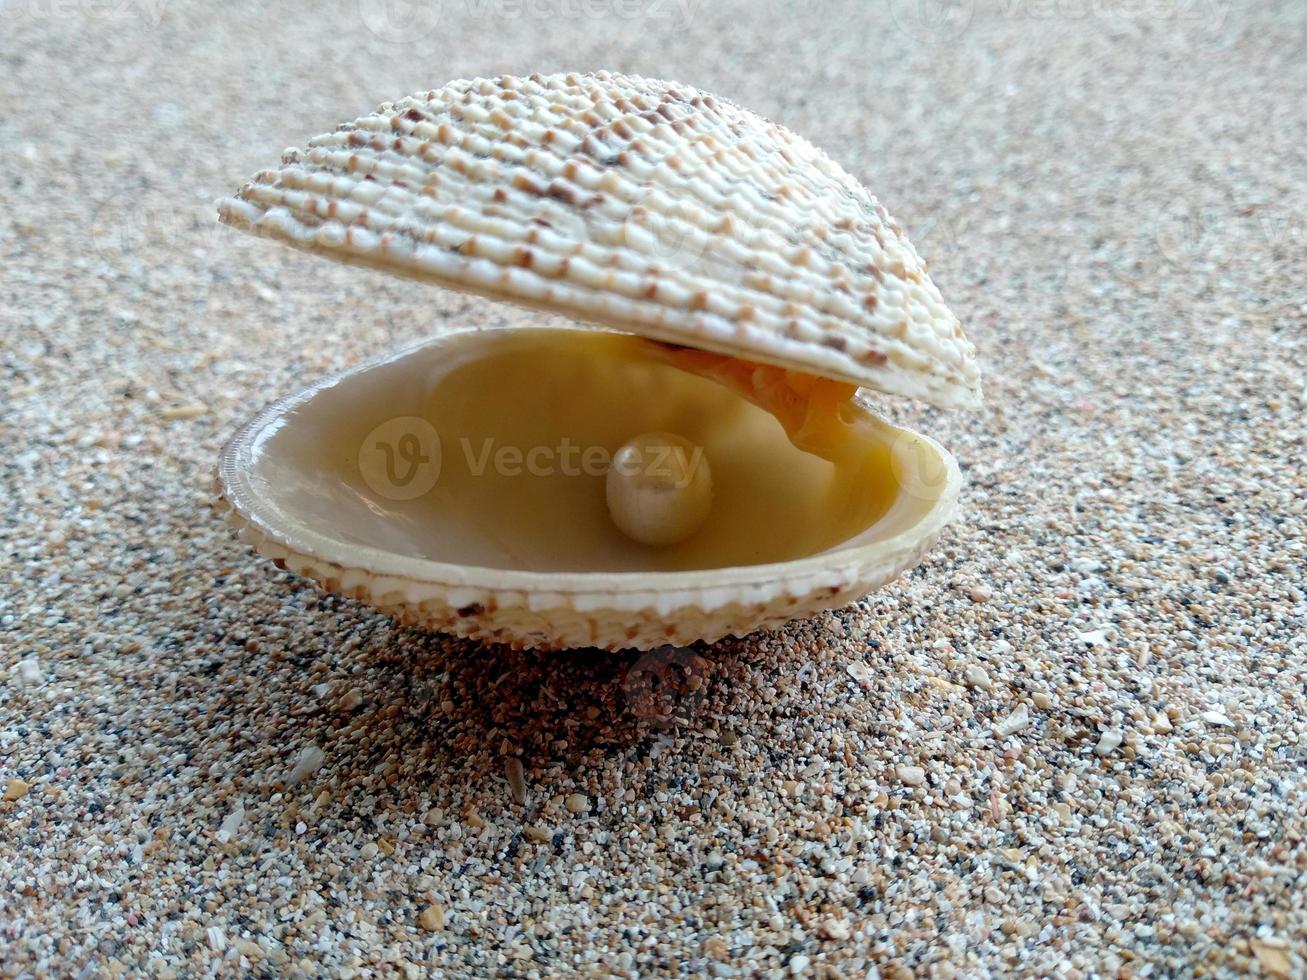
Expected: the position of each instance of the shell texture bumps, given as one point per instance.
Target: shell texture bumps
(643, 205)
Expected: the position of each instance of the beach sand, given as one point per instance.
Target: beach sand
(1071, 742)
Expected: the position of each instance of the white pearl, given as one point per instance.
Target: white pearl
(659, 488)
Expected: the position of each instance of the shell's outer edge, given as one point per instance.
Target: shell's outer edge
(555, 610)
(639, 204)
(563, 620)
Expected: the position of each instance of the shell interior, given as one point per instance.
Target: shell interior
(473, 466)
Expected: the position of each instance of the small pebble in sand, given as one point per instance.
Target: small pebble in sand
(230, 825)
(1109, 742)
(350, 700)
(28, 672)
(1013, 723)
(980, 593)
(180, 413)
(976, 676)
(16, 789)
(859, 671)
(432, 918)
(577, 802)
(309, 761)
(836, 929)
(911, 775)
(1273, 955)
(516, 779)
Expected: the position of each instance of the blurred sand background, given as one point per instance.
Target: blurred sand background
(1071, 743)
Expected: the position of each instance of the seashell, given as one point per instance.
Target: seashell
(643, 205)
(501, 484)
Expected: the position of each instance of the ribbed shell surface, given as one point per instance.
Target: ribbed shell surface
(639, 204)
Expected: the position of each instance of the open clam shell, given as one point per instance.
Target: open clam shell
(755, 285)
(527, 557)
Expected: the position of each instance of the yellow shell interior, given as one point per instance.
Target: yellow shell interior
(489, 449)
